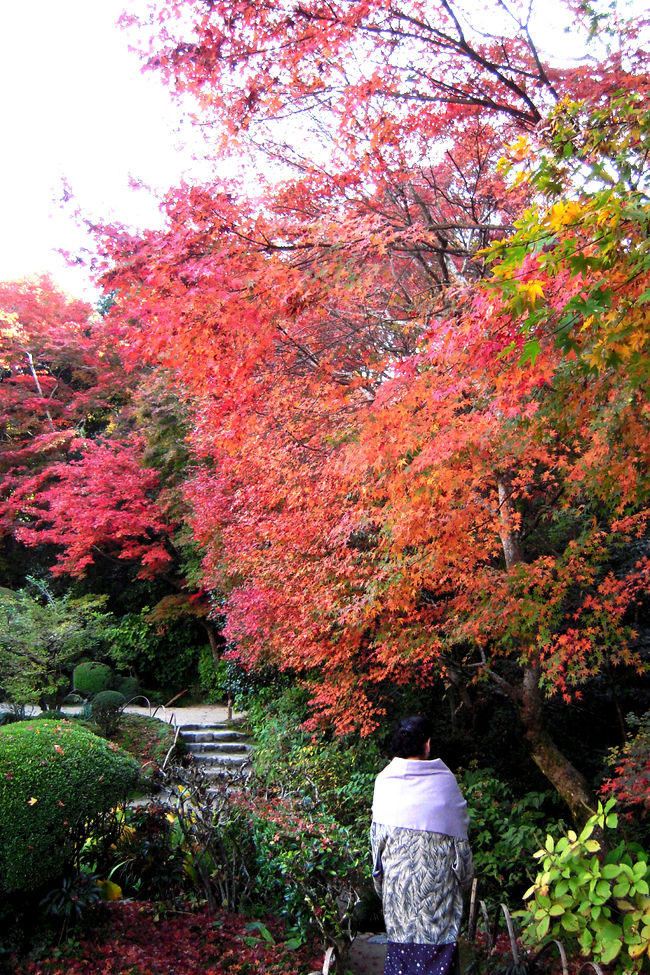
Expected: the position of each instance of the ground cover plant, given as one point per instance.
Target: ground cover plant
(137, 938)
(148, 739)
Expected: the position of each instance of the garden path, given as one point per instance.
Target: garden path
(368, 951)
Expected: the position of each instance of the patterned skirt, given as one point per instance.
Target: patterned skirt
(420, 877)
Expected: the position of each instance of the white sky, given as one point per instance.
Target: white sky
(74, 104)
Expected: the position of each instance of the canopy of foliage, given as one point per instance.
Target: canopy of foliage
(417, 370)
(410, 356)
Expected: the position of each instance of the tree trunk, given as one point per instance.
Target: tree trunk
(215, 639)
(563, 776)
(570, 784)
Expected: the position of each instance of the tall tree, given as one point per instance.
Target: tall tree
(91, 456)
(63, 386)
(403, 472)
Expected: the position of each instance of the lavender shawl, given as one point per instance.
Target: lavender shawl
(419, 794)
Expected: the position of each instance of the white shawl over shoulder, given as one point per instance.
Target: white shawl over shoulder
(423, 795)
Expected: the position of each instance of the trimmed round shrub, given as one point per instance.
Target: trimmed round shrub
(129, 686)
(91, 677)
(106, 701)
(57, 782)
(105, 710)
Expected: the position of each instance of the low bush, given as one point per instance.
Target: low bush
(308, 869)
(106, 711)
(57, 779)
(505, 832)
(129, 687)
(91, 677)
(596, 902)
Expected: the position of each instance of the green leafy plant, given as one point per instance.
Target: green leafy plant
(90, 677)
(308, 868)
(42, 637)
(336, 774)
(214, 677)
(57, 781)
(149, 855)
(629, 781)
(162, 653)
(595, 901)
(106, 710)
(502, 828)
(71, 901)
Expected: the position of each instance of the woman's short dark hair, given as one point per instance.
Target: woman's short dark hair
(410, 737)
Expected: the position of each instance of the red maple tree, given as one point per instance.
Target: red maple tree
(409, 474)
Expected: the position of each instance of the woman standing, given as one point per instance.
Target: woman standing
(422, 862)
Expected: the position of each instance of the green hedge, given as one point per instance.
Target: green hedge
(56, 781)
(91, 677)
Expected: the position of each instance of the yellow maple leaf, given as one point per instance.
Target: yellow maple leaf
(533, 290)
(32, 801)
(562, 214)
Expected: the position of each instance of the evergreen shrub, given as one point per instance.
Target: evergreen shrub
(57, 779)
(129, 687)
(106, 709)
(91, 677)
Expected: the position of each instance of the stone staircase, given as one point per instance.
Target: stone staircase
(218, 749)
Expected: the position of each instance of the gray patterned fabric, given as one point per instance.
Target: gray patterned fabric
(421, 878)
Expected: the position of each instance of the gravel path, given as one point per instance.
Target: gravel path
(203, 714)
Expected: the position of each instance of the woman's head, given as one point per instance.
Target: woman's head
(410, 739)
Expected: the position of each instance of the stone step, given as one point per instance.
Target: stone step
(208, 735)
(205, 749)
(224, 763)
(218, 725)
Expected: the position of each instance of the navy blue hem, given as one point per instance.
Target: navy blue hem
(418, 959)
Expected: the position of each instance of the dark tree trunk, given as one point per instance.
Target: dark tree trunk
(570, 784)
(215, 639)
(563, 776)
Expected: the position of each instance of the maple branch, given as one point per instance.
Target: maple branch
(462, 45)
(38, 388)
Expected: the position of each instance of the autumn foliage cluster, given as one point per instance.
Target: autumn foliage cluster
(412, 352)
